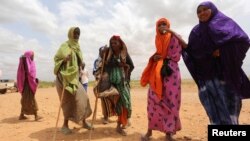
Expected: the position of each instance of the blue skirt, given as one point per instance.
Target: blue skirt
(222, 104)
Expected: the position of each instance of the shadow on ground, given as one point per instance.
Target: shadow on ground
(80, 134)
(15, 120)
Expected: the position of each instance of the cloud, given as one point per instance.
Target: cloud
(12, 48)
(133, 20)
(31, 12)
(70, 11)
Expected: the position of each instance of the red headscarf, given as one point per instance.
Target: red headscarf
(123, 49)
(152, 73)
(31, 72)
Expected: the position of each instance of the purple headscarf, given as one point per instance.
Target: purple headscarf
(221, 28)
(223, 33)
(30, 72)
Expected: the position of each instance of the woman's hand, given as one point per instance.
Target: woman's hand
(216, 53)
(124, 65)
(67, 58)
(157, 57)
(182, 42)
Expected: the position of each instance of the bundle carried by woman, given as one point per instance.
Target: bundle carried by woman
(103, 87)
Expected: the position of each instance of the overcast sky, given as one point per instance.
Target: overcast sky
(42, 25)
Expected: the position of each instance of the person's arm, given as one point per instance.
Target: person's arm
(60, 62)
(216, 53)
(174, 53)
(130, 63)
(182, 42)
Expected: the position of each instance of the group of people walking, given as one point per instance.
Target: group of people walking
(213, 55)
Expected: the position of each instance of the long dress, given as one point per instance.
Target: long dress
(27, 83)
(123, 105)
(221, 81)
(75, 103)
(163, 115)
(28, 101)
(75, 107)
(117, 78)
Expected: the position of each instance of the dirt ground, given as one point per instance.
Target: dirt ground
(193, 118)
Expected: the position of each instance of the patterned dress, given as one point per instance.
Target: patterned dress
(117, 78)
(163, 114)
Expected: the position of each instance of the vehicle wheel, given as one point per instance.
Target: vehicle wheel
(3, 91)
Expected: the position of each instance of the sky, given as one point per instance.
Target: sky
(42, 26)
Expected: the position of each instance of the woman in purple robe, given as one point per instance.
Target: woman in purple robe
(214, 56)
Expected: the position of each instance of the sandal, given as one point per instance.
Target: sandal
(66, 130)
(121, 131)
(86, 125)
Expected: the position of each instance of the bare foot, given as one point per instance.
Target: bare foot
(169, 137)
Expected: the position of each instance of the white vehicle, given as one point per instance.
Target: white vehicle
(7, 85)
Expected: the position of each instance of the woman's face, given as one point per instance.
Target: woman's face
(162, 27)
(115, 45)
(204, 13)
(76, 33)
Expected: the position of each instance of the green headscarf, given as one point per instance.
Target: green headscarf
(70, 71)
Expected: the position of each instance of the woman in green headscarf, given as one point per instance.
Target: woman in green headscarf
(75, 102)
